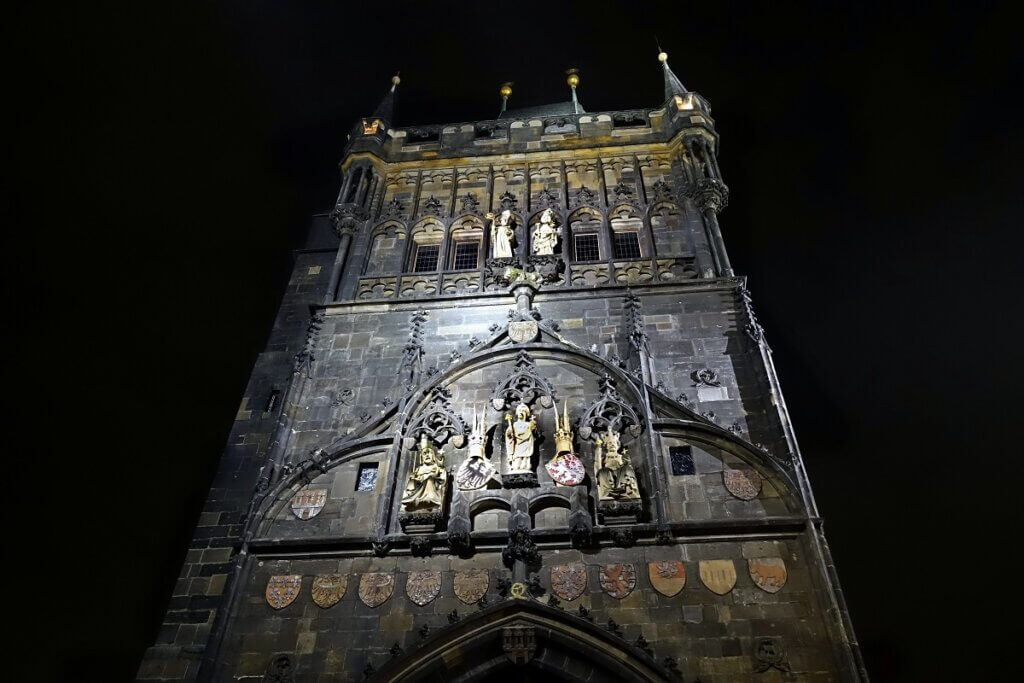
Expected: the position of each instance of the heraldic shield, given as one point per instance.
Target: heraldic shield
(769, 573)
(375, 588)
(423, 585)
(566, 469)
(718, 575)
(282, 590)
(471, 585)
(329, 589)
(617, 580)
(668, 578)
(568, 581)
(307, 503)
(744, 484)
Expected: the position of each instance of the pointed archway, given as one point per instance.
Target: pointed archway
(523, 640)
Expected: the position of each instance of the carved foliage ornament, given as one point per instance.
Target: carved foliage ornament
(438, 421)
(523, 384)
(375, 588)
(471, 585)
(617, 580)
(745, 484)
(307, 503)
(283, 589)
(423, 586)
(568, 581)
(329, 589)
(668, 578)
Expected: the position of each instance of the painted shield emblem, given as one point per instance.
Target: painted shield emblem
(522, 331)
(744, 484)
(375, 588)
(282, 590)
(328, 589)
(474, 474)
(617, 580)
(423, 586)
(718, 575)
(769, 573)
(566, 469)
(568, 581)
(307, 503)
(471, 585)
(668, 578)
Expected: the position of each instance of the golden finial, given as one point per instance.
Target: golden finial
(506, 89)
(663, 57)
(395, 80)
(572, 77)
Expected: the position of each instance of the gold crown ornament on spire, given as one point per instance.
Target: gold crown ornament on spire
(563, 433)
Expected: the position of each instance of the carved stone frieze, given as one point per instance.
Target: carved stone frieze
(460, 283)
(589, 275)
(418, 285)
(523, 384)
(633, 272)
(610, 411)
(438, 421)
(377, 287)
(679, 268)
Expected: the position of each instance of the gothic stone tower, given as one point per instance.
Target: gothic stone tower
(516, 421)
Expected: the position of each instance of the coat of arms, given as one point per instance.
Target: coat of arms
(375, 588)
(423, 585)
(568, 581)
(566, 469)
(307, 503)
(328, 590)
(744, 484)
(668, 578)
(282, 590)
(617, 580)
(474, 473)
(718, 575)
(769, 573)
(471, 585)
(522, 331)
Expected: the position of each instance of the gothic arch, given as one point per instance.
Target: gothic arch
(566, 647)
(386, 248)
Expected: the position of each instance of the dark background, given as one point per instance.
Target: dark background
(166, 158)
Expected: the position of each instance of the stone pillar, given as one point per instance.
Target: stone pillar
(339, 265)
(712, 196)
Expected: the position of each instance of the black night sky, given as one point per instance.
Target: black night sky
(167, 158)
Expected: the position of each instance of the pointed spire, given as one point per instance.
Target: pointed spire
(386, 109)
(673, 86)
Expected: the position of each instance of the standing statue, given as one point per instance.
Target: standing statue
(545, 235)
(503, 235)
(519, 439)
(427, 480)
(616, 478)
(565, 468)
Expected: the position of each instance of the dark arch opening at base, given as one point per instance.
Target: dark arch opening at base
(523, 640)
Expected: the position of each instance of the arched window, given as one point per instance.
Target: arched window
(627, 228)
(425, 251)
(585, 231)
(466, 241)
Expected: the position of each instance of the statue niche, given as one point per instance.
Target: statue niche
(424, 497)
(520, 442)
(544, 243)
(618, 494)
(503, 239)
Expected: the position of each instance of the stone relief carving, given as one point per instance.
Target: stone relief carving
(523, 385)
(565, 468)
(477, 470)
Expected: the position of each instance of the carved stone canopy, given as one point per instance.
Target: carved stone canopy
(610, 411)
(438, 421)
(523, 384)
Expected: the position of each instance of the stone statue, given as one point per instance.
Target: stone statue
(428, 479)
(519, 440)
(616, 478)
(545, 235)
(477, 470)
(565, 468)
(503, 235)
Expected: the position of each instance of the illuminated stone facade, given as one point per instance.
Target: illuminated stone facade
(517, 418)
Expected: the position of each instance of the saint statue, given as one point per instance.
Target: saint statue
(545, 235)
(428, 479)
(503, 235)
(616, 478)
(519, 438)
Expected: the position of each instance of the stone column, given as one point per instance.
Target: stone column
(711, 197)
